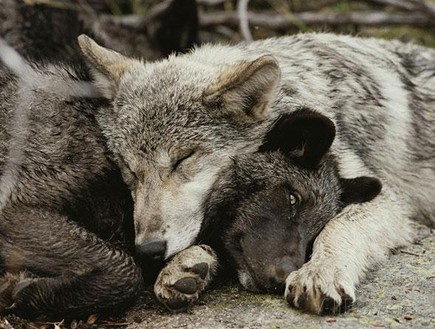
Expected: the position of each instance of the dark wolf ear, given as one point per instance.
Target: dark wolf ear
(245, 89)
(174, 28)
(304, 135)
(360, 189)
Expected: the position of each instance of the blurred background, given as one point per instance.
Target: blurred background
(151, 29)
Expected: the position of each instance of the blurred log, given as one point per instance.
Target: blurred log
(411, 5)
(275, 21)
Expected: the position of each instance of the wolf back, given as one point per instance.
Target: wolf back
(61, 196)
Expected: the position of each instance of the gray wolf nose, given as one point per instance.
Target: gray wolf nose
(155, 250)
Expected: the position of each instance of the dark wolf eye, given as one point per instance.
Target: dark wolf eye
(181, 159)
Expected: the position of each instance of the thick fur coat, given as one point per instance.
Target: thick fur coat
(176, 123)
(173, 126)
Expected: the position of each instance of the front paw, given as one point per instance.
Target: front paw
(187, 275)
(319, 289)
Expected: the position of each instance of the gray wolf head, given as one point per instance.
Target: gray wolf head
(173, 126)
(271, 205)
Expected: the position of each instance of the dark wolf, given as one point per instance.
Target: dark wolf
(266, 210)
(177, 123)
(65, 210)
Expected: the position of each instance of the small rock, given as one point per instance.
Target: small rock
(378, 324)
(331, 320)
(408, 316)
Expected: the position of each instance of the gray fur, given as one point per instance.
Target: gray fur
(66, 211)
(66, 227)
(176, 123)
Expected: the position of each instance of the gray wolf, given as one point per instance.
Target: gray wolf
(66, 216)
(177, 122)
(64, 207)
(265, 211)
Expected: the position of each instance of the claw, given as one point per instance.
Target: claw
(11, 308)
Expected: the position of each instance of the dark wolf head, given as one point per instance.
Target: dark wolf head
(271, 205)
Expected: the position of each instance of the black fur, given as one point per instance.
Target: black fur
(265, 212)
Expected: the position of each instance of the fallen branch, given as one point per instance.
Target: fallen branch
(411, 5)
(210, 2)
(242, 11)
(276, 21)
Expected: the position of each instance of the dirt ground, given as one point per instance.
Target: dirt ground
(400, 293)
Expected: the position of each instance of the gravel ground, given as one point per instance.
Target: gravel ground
(400, 293)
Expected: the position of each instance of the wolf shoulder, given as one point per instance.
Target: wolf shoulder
(54, 139)
(379, 94)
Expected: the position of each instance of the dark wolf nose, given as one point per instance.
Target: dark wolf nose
(283, 268)
(279, 272)
(153, 250)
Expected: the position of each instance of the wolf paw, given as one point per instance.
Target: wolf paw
(319, 290)
(183, 279)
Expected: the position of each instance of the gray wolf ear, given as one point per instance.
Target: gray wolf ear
(107, 65)
(304, 136)
(360, 189)
(245, 89)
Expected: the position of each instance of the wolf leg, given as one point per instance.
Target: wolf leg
(185, 277)
(73, 273)
(353, 241)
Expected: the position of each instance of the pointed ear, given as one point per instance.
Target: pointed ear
(107, 65)
(360, 189)
(304, 136)
(245, 89)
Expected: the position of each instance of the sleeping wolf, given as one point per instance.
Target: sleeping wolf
(69, 217)
(176, 123)
(66, 216)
